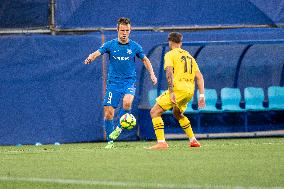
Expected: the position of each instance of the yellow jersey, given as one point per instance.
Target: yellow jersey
(184, 66)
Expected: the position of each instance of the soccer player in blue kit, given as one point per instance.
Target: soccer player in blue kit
(121, 75)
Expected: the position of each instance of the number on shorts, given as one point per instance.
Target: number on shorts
(109, 98)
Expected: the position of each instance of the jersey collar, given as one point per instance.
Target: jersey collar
(122, 43)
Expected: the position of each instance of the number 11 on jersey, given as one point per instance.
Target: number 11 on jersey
(187, 60)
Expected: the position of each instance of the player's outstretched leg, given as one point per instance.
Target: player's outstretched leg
(115, 134)
(185, 125)
(158, 124)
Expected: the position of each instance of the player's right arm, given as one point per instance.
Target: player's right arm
(92, 57)
(103, 49)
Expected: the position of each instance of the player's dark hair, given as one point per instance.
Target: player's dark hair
(123, 21)
(175, 37)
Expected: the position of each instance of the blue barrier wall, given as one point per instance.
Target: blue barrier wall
(166, 13)
(24, 13)
(47, 94)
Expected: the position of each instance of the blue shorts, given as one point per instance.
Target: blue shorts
(116, 90)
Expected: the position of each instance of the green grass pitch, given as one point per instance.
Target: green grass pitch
(219, 164)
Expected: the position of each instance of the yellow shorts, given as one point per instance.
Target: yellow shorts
(182, 99)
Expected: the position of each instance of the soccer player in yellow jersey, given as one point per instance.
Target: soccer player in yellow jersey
(181, 72)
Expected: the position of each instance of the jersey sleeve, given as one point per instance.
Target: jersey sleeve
(105, 47)
(140, 53)
(195, 66)
(168, 60)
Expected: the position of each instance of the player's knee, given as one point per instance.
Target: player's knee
(127, 105)
(109, 115)
(154, 112)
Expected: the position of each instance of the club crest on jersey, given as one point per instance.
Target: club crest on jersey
(129, 51)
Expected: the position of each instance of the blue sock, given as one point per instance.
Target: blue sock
(122, 112)
(109, 128)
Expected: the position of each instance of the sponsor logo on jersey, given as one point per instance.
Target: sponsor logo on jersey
(121, 58)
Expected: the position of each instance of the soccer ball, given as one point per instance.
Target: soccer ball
(127, 121)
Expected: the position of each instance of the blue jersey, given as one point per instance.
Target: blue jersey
(122, 59)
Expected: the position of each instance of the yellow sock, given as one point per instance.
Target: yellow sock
(158, 124)
(185, 125)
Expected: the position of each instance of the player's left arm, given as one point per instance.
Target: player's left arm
(170, 80)
(200, 85)
(149, 67)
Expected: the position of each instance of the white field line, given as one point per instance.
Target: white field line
(127, 184)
